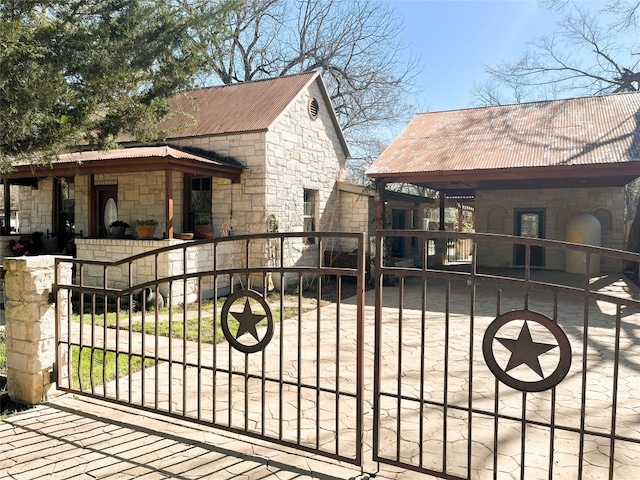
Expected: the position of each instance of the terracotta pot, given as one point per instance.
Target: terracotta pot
(184, 236)
(146, 232)
(203, 231)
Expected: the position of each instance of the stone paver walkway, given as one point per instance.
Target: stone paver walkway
(73, 438)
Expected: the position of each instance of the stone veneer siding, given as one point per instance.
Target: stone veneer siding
(36, 211)
(294, 154)
(31, 326)
(199, 258)
(556, 203)
(356, 213)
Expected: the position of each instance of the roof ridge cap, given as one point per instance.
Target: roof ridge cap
(534, 102)
(258, 80)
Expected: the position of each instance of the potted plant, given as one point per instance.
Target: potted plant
(146, 228)
(118, 228)
(204, 226)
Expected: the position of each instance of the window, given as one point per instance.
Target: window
(309, 213)
(199, 198)
(64, 204)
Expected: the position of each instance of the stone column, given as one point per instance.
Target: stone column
(31, 325)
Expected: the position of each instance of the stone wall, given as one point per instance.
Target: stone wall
(296, 153)
(242, 204)
(197, 258)
(36, 211)
(495, 213)
(356, 213)
(142, 196)
(30, 324)
(303, 153)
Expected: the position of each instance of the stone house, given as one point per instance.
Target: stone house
(532, 168)
(248, 157)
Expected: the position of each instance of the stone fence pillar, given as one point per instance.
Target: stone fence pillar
(31, 325)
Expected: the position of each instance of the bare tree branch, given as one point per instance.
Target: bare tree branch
(356, 45)
(589, 53)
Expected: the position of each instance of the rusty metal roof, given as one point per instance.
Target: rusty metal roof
(152, 158)
(139, 152)
(581, 131)
(240, 107)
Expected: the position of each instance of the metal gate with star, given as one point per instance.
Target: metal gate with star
(476, 372)
(506, 373)
(285, 368)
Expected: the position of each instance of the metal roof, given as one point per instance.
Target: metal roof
(140, 152)
(240, 107)
(559, 133)
(147, 159)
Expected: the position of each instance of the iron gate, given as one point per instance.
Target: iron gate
(270, 370)
(477, 372)
(506, 373)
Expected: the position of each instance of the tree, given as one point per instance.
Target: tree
(356, 45)
(593, 51)
(84, 71)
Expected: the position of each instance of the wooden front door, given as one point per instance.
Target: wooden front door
(107, 208)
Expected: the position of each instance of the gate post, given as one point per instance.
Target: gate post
(31, 325)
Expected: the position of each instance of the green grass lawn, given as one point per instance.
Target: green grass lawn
(206, 328)
(102, 362)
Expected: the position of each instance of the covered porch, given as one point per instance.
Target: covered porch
(78, 195)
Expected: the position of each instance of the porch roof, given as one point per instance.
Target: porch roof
(580, 142)
(133, 160)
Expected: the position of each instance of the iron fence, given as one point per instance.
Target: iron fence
(210, 343)
(3, 332)
(489, 372)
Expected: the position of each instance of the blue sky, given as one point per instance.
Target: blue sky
(457, 38)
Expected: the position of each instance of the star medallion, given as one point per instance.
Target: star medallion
(247, 321)
(524, 351)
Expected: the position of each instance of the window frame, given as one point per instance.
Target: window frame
(191, 214)
(61, 212)
(310, 213)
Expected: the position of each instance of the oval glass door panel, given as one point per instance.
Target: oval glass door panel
(110, 212)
